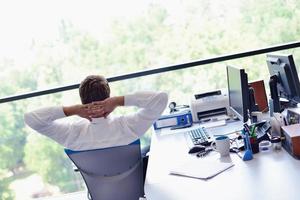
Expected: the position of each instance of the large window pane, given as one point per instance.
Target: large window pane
(27, 158)
(60, 42)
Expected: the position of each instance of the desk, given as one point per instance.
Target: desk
(269, 176)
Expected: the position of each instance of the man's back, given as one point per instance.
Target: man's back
(100, 132)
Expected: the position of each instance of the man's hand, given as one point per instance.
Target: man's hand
(96, 109)
(106, 106)
(84, 111)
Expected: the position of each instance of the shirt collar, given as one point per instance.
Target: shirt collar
(99, 120)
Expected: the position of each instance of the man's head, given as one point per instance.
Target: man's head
(94, 88)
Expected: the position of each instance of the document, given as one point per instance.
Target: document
(201, 169)
(214, 124)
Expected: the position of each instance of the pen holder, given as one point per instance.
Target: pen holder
(254, 144)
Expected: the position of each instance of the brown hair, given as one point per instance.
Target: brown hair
(93, 88)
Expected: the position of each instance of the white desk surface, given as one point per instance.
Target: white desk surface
(270, 175)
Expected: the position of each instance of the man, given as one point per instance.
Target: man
(97, 128)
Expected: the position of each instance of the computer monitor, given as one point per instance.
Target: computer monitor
(238, 92)
(283, 67)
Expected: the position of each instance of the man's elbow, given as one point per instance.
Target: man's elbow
(28, 119)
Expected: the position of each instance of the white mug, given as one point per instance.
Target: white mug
(221, 145)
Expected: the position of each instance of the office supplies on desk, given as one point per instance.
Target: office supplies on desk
(260, 95)
(228, 129)
(196, 149)
(202, 154)
(214, 123)
(252, 138)
(236, 142)
(181, 126)
(262, 130)
(291, 141)
(255, 179)
(248, 151)
(221, 145)
(254, 144)
(201, 169)
(265, 146)
(236, 151)
(198, 136)
(174, 120)
(209, 105)
(276, 143)
(252, 134)
(276, 122)
(293, 116)
(175, 108)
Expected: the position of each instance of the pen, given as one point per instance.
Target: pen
(252, 134)
(247, 129)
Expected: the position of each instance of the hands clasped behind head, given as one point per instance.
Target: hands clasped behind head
(94, 110)
(101, 108)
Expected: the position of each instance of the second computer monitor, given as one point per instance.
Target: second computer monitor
(238, 92)
(283, 66)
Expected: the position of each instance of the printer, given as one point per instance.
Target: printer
(209, 105)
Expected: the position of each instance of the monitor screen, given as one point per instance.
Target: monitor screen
(238, 92)
(283, 66)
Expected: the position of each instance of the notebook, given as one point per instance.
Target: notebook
(201, 169)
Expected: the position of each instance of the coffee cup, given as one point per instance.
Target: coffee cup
(221, 145)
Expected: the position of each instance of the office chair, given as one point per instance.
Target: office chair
(114, 173)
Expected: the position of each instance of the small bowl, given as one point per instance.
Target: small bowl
(265, 146)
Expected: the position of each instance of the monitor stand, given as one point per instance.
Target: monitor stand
(277, 104)
(274, 101)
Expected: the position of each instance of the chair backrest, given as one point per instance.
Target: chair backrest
(111, 173)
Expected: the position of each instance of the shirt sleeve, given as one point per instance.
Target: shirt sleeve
(46, 121)
(151, 105)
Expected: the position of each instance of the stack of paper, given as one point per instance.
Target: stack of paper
(201, 169)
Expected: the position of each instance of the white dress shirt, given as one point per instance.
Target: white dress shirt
(81, 134)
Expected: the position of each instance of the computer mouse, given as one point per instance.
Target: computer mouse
(196, 149)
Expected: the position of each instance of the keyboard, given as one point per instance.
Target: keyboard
(200, 136)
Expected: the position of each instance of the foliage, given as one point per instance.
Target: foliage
(48, 159)
(5, 193)
(12, 125)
